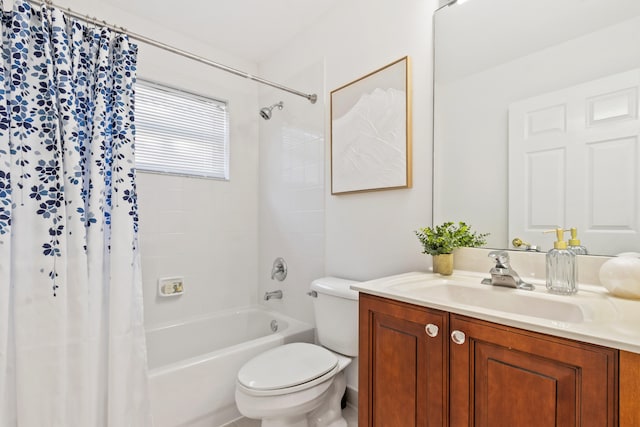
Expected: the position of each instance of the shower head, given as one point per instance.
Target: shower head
(265, 112)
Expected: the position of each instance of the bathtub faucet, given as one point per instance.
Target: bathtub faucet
(273, 294)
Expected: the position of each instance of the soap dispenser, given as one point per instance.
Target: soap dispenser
(561, 267)
(574, 243)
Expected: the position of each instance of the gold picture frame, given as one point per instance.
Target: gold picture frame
(371, 131)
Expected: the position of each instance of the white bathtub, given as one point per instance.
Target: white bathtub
(193, 365)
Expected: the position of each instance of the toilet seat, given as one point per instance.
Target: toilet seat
(286, 369)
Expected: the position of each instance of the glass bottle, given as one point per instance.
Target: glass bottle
(561, 267)
(574, 243)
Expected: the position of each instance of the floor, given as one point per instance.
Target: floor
(349, 413)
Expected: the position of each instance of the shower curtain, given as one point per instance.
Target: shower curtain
(72, 350)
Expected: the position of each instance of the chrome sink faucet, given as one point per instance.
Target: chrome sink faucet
(503, 275)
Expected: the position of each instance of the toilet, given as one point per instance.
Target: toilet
(302, 384)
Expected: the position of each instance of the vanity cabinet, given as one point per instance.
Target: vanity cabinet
(476, 373)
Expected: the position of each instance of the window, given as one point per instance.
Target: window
(181, 133)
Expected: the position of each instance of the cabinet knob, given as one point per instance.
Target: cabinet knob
(432, 330)
(458, 337)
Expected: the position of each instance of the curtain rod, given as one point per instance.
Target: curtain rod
(86, 18)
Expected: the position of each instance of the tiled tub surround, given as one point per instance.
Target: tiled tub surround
(193, 364)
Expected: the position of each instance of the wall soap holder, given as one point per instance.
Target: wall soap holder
(170, 286)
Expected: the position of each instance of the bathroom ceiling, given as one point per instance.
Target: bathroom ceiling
(251, 29)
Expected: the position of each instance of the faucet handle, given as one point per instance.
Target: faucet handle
(279, 269)
(501, 258)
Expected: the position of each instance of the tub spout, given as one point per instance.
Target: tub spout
(273, 294)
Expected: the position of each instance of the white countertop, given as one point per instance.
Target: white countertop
(592, 315)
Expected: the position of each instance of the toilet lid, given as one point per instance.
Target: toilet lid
(287, 366)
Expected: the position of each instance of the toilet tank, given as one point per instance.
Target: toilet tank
(336, 314)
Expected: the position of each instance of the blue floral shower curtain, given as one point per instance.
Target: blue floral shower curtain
(72, 349)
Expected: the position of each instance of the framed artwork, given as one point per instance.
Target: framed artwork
(371, 131)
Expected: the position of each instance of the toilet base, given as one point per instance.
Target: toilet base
(328, 413)
(297, 421)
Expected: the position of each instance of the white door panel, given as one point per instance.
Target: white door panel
(573, 157)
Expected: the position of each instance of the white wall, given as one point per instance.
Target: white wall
(365, 235)
(204, 230)
(371, 234)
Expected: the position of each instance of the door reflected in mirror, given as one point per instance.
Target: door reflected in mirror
(536, 120)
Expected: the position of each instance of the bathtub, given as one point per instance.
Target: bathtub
(193, 365)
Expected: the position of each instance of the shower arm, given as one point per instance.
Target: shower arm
(146, 40)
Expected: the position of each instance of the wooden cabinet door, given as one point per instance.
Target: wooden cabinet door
(507, 377)
(629, 389)
(402, 367)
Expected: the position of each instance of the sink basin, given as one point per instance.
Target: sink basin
(468, 292)
(505, 300)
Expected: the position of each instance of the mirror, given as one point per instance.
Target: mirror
(536, 120)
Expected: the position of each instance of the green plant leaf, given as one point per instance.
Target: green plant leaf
(444, 238)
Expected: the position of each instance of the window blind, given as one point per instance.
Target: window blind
(180, 133)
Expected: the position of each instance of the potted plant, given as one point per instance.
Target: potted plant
(441, 240)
